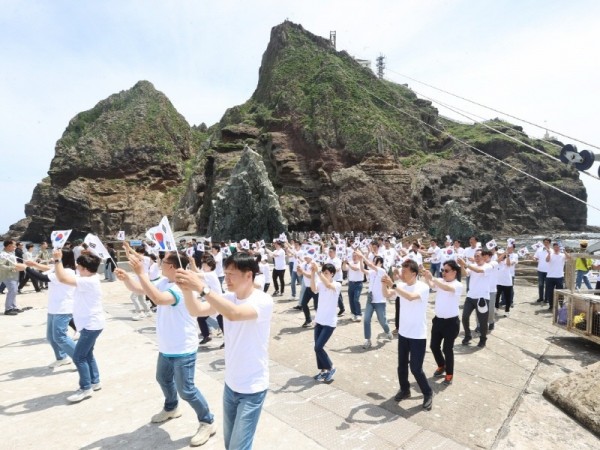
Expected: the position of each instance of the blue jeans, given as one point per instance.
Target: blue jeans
(582, 275)
(11, 294)
(354, 291)
(84, 360)
(380, 311)
(322, 335)
(412, 351)
(240, 417)
(435, 269)
(175, 374)
(56, 333)
(294, 279)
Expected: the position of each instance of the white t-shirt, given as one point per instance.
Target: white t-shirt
(415, 256)
(212, 281)
(355, 275)
(389, 257)
(479, 283)
(266, 271)
(219, 264)
(446, 302)
(307, 274)
(413, 314)
(375, 286)
(297, 258)
(154, 271)
(176, 330)
(87, 303)
(448, 254)
(469, 254)
(279, 259)
(556, 266)
(337, 263)
(60, 295)
(493, 275)
(504, 275)
(540, 255)
(435, 254)
(247, 345)
(328, 298)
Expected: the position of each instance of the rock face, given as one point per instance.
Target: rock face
(578, 394)
(247, 206)
(342, 149)
(118, 166)
(347, 151)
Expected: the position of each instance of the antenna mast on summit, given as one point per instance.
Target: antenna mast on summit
(380, 66)
(332, 39)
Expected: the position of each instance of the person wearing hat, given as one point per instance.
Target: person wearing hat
(583, 266)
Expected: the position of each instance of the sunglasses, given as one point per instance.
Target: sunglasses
(447, 270)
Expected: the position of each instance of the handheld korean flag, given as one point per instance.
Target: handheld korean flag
(522, 252)
(316, 238)
(97, 247)
(448, 239)
(490, 245)
(510, 242)
(165, 239)
(207, 239)
(121, 235)
(537, 245)
(282, 238)
(261, 243)
(59, 237)
(245, 244)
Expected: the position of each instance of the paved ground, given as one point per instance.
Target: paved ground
(495, 401)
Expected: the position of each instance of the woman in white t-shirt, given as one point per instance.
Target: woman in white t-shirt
(376, 302)
(446, 324)
(88, 314)
(265, 270)
(326, 319)
(60, 307)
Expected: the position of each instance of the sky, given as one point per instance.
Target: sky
(536, 60)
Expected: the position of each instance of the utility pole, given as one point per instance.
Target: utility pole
(332, 39)
(380, 66)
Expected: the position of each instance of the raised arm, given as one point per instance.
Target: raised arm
(61, 274)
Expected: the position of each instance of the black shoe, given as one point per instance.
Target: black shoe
(17, 310)
(307, 324)
(222, 345)
(440, 371)
(466, 340)
(205, 340)
(539, 300)
(478, 329)
(481, 344)
(401, 395)
(490, 327)
(11, 312)
(341, 313)
(428, 402)
(297, 307)
(26, 308)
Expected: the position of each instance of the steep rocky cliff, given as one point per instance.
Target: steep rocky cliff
(118, 166)
(348, 151)
(342, 149)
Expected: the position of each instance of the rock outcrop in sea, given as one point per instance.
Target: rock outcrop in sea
(342, 149)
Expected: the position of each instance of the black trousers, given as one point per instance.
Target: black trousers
(445, 330)
(277, 279)
(411, 352)
(507, 293)
(469, 307)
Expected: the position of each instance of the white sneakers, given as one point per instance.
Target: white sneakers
(60, 362)
(79, 395)
(205, 431)
(356, 318)
(367, 344)
(390, 336)
(164, 415)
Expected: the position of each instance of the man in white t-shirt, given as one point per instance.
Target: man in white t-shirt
(412, 330)
(556, 272)
(247, 313)
(435, 258)
(215, 250)
(177, 342)
(542, 267)
(478, 296)
(278, 255)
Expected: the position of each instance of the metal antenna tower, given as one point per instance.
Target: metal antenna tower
(332, 39)
(380, 65)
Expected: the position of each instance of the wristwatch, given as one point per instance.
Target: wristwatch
(57, 261)
(205, 291)
(394, 286)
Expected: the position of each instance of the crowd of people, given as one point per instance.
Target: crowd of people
(227, 287)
